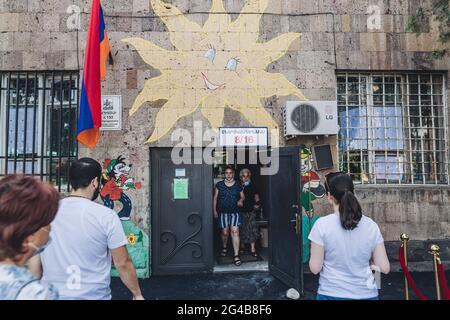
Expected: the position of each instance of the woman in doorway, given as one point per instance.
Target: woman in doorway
(346, 246)
(249, 229)
(27, 207)
(228, 198)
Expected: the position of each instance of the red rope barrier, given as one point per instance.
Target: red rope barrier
(443, 281)
(411, 282)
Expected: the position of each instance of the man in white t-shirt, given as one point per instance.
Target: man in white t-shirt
(85, 236)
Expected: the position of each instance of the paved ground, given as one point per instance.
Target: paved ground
(253, 286)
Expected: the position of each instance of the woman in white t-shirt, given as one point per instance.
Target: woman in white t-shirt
(346, 246)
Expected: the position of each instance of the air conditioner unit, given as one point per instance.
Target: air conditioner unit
(310, 118)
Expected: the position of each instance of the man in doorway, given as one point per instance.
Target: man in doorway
(228, 199)
(249, 230)
(86, 235)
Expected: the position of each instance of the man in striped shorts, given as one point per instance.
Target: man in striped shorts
(228, 198)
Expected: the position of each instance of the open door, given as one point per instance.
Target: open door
(285, 239)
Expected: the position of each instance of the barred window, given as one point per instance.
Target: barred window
(38, 114)
(393, 128)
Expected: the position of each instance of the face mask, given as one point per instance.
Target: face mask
(246, 183)
(41, 249)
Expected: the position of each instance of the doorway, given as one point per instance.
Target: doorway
(184, 235)
(239, 159)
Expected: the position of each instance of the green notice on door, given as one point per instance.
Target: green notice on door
(180, 189)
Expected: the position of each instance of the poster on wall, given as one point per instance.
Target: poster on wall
(111, 113)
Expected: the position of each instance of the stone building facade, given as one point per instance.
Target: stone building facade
(339, 38)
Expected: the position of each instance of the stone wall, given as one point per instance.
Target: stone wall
(421, 212)
(35, 35)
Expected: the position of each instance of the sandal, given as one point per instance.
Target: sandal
(223, 252)
(255, 254)
(237, 261)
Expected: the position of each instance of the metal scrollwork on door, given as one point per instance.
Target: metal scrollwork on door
(197, 251)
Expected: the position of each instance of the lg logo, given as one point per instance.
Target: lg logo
(329, 112)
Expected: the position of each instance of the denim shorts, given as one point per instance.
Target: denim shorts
(322, 297)
(227, 220)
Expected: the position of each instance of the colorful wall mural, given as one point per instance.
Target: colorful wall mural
(311, 191)
(116, 181)
(217, 65)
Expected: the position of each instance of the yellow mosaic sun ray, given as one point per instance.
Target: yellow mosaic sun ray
(213, 66)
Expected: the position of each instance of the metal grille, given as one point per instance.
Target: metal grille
(305, 118)
(394, 127)
(38, 116)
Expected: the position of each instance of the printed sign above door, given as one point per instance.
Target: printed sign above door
(243, 137)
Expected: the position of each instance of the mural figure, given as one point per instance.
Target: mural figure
(217, 65)
(138, 249)
(115, 181)
(312, 190)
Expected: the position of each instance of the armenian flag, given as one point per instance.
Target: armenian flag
(97, 53)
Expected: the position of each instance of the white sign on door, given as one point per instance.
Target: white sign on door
(111, 113)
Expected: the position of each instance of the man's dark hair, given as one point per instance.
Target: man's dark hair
(229, 167)
(83, 171)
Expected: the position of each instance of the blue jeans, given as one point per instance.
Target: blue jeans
(322, 297)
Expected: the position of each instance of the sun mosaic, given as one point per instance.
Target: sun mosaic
(217, 65)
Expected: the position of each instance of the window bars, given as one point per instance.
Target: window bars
(38, 116)
(394, 127)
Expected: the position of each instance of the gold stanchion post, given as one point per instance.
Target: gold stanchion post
(405, 238)
(435, 251)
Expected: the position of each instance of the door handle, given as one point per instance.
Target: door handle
(297, 223)
(297, 219)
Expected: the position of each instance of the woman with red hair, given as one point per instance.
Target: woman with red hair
(27, 207)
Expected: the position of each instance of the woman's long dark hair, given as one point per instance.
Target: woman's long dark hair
(342, 189)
